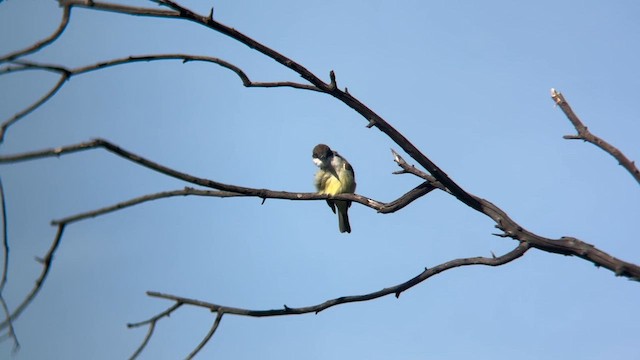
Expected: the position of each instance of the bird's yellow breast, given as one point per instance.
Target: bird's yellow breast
(328, 183)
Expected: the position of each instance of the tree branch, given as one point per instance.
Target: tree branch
(68, 73)
(229, 190)
(11, 332)
(207, 337)
(152, 325)
(519, 251)
(66, 12)
(586, 135)
(19, 115)
(396, 290)
(565, 245)
(46, 266)
(372, 118)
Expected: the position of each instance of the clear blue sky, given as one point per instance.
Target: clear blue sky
(468, 82)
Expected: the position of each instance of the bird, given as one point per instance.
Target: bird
(334, 176)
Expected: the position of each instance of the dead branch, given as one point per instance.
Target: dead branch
(372, 118)
(436, 177)
(11, 333)
(396, 290)
(66, 12)
(67, 73)
(586, 135)
(152, 325)
(46, 262)
(207, 337)
(227, 189)
(565, 245)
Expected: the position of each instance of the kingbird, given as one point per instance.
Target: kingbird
(334, 177)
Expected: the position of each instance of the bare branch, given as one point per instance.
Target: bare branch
(35, 105)
(565, 245)
(67, 73)
(141, 199)
(5, 240)
(207, 337)
(586, 135)
(11, 333)
(46, 266)
(145, 341)
(226, 188)
(44, 42)
(395, 290)
(130, 10)
(152, 325)
(23, 65)
(372, 118)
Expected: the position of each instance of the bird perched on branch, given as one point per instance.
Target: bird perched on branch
(334, 177)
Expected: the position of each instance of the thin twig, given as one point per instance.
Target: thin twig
(68, 73)
(66, 12)
(5, 271)
(19, 115)
(145, 341)
(207, 337)
(372, 118)
(586, 135)
(565, 245)
(5, 239)
(23, 65)
(396, 290)
(152, 325)
(245, 191)
(46, 267)
(141, 199)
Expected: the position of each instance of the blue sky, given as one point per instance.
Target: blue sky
(467, 82)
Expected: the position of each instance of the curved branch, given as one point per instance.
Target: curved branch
(23, 65)
(35, 105)
(207, 337)
(11, 333)
(396, 290)
(141, 199)
(233, 189)
(46, 266)
(373, 118)
(67, 73)
(5, 240)
(516, 253)
(586, 135)
(565, 245)
(152, 325)
(44, 42)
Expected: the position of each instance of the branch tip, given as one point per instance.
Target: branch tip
(333, 85)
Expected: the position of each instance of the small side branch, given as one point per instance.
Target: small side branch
(46, 267)
(226, 189)
(19, 115)
(11, 333)
(586, 135)
(220, 310)
(66, 12)
(565, 245)
(207, 337)
(68, 73)
(396, 290)
(152, 325)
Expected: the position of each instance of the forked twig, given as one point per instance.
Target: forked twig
(586, 135)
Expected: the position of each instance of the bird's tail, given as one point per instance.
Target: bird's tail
(343, 217)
